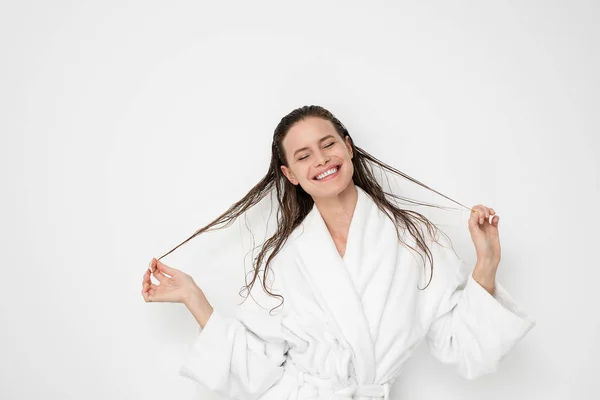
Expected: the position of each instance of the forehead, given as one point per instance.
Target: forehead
(306, 132)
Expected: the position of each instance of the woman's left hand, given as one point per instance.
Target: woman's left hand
(485, 235)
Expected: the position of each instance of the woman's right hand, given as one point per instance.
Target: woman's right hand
(174, 285)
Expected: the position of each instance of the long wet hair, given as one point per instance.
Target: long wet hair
(295, 203)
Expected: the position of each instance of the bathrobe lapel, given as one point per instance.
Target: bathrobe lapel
(327, 273)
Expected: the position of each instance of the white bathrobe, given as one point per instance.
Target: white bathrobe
(348, 324)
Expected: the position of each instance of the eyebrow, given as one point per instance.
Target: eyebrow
(306, 148)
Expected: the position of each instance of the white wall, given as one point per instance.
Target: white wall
(127, 126)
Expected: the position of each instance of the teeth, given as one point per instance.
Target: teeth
(327, 173)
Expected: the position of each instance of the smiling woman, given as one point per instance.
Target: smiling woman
(343, 256)
(320, 158)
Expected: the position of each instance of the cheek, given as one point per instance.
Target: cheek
(349, 168)
(303, 175)
(299, 174)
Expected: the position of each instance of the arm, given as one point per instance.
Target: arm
(473, 329)
(199, 306)
(485, 276)
(238, 358)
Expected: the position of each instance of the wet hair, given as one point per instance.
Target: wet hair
(295, 204)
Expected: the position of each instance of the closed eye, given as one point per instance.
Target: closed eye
(325, 147)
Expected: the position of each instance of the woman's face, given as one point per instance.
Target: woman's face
(319, 159)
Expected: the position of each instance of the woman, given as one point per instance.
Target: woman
(342, 266)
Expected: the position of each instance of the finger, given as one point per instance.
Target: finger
(146, 276)
(474, 214)
(146, 295)
(149, 296)
(152, 265)
(487, 212)
(149, 287)
(146, 280)
(479, 213)
(474, 220)
(149, 292)
(495, 220)
(159, 275)
(484, 213)
(165, 268)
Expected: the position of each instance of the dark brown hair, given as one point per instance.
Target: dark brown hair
(295, 203)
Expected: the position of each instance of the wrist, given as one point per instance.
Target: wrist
(192, 295)
(486, 279)
(199, 306)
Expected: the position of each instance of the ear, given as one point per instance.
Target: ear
(288, 174)
(349, 146)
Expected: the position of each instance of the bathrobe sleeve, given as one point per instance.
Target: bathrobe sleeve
(238, 357)
(472, 329)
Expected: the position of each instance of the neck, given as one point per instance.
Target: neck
(337, 211)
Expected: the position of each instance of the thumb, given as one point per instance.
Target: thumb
(162, 267)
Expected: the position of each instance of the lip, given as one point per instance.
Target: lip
(339, 167)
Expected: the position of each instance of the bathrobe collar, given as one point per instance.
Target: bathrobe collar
(327, 273)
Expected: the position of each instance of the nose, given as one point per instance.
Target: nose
(323, 159)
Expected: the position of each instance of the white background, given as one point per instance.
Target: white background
(126, 126)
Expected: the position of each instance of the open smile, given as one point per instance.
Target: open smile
(329, 174)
